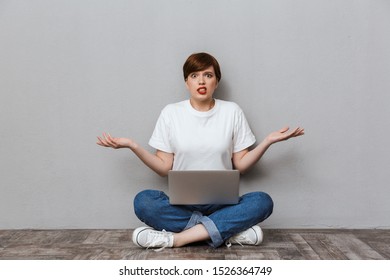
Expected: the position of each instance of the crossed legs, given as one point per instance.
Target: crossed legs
(212, 223)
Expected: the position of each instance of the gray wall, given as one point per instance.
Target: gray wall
(70, 70)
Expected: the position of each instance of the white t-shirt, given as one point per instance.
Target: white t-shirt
(202, 140)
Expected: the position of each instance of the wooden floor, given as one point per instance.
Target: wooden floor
(286, 244)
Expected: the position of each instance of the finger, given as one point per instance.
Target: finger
(299, 132)
(111, 141)
(284, 129)
(292, 133)
(102, 142)
(107, 138)
(107, 141)
(99, 142)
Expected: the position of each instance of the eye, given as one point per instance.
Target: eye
(193, 75)
(209, 75)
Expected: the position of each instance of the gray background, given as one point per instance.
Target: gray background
(70, 70)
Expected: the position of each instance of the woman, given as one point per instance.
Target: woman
(199, 134)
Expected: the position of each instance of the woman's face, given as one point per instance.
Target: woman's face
(202, 84)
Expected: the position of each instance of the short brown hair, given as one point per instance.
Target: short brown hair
(199, 62)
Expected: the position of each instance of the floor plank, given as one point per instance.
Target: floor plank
(303, 247)
(278, 244)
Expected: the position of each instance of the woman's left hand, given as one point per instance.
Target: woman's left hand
(284, 134)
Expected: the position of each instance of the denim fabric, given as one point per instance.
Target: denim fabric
(221, 221)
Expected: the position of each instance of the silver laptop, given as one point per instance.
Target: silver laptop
(203, 187)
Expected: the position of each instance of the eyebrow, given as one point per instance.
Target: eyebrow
(207, 72)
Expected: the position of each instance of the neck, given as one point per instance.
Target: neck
(203, 106)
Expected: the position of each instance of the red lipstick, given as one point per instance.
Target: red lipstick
(202, 90)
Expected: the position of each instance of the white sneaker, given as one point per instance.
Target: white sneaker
(148, 237)
(251, 236)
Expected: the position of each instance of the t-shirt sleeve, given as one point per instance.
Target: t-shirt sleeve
(161, 134)
(243, 137)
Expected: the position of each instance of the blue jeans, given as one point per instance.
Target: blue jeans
(221, 221)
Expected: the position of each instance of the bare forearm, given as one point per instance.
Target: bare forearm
(245, 159)
(160, 162)
(243, 162)
(160, 165)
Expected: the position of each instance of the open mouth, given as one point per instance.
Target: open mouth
(202, 90)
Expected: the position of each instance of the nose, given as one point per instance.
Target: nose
(201, 80)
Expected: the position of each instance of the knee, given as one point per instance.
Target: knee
(144, 202)
(267, 203)
(263, 204)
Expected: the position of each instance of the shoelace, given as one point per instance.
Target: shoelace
(239, 239)
(157, 239)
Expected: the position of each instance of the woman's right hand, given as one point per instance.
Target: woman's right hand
(114, 142)
(161, 162)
